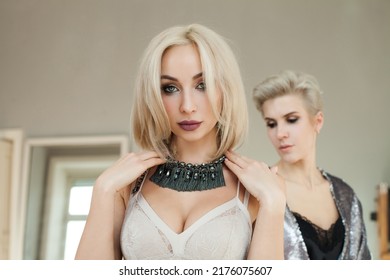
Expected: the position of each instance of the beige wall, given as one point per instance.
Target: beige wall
(67, 68)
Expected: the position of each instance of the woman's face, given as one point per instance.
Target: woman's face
(290, 127)
(184, 95)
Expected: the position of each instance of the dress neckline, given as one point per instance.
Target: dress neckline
(209, 215)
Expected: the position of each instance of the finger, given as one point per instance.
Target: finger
(145, 155)
(153, 162)
(240, 157)
(141, 156)
(233, 167)
(237, 159)
(146, 159)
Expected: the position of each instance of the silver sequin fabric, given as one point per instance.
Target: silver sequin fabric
(350, 209)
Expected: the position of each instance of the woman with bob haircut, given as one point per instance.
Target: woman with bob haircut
(187, 194)
(324, 218)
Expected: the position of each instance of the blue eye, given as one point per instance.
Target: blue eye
(169, 89)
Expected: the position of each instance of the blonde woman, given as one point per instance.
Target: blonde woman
(187, 195)
(323, 216)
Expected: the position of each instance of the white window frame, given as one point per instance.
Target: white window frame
(62, 170)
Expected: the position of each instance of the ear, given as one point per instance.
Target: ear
(319, 121)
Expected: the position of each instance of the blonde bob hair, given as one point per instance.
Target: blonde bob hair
(150, 124)
(289, 82)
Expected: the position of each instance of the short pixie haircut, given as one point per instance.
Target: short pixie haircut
(289, 82)
(150, 124)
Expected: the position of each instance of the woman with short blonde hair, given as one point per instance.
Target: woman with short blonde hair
(324, 218)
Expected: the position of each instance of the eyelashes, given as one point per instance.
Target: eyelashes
(201, 86)
(271, 124)
(292, 119)
(289, 120)
(171, 88)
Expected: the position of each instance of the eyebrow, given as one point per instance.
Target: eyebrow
(286, 115)
(291, 113)
(167, 77)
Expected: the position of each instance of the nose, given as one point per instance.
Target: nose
(281, 132)
(188, 104)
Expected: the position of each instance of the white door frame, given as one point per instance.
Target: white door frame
(16, 137)
(30, 143)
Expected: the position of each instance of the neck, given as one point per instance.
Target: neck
(301, 173)
(195, 152)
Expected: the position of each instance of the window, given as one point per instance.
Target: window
(78, 207)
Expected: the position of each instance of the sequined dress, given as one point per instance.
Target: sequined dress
(353, 245)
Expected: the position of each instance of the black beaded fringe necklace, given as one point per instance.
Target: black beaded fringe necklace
(187, 177)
